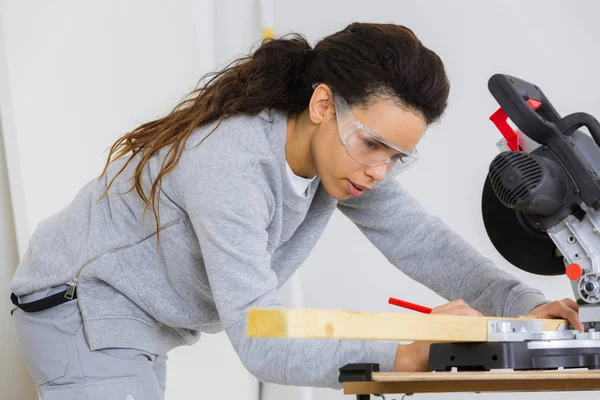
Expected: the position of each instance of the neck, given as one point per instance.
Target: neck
(297, 146)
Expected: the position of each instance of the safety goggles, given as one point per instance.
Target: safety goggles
(366, 146)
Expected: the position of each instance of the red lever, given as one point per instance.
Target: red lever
(499, 119)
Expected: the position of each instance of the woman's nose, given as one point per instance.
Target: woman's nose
(377, 172)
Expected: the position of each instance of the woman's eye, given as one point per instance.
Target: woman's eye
(371, 144)
(399, 158)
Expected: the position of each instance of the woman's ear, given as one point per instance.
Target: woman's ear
(321, 106)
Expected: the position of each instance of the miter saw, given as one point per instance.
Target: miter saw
(541, 211)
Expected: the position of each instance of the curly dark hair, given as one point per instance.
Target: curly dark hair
(361, 61)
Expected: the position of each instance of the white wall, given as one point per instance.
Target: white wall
(14, 378)
(81, 74)
(552, 43)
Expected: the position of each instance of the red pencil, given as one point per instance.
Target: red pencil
(410, 306)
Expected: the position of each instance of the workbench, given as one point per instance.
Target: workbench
(363, 380)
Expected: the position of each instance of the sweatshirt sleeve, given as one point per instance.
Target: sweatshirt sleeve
(230, 211)
(424, 248)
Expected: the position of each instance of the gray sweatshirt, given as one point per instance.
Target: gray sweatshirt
(233, 230)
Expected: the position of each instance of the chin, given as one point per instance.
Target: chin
(342, 197)
(338, 192)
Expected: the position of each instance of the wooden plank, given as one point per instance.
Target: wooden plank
(439, 382)
(342, 324)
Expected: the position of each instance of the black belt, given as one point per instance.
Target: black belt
(45, 303)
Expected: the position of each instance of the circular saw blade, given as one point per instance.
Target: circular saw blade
(525, 248)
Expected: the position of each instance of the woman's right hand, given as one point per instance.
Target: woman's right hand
(414, 357)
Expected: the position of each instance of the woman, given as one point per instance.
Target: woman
(206, 212)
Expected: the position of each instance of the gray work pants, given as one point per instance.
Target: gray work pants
(55, 350)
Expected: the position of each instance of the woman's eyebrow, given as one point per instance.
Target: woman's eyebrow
(382, 141)
(387, 147)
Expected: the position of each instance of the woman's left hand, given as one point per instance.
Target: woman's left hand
(566, 309)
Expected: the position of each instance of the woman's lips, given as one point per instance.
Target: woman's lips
(354, 189)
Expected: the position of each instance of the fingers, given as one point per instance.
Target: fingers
(440, 309)
(571, 304)
(566, 309)
(573, 318)
(456, 307)
(452, 304)
(570, 315)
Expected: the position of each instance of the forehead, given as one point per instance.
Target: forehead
(391, 121)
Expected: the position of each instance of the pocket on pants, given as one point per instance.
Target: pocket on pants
(128, 354)
(109, 389)
(42, 347)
